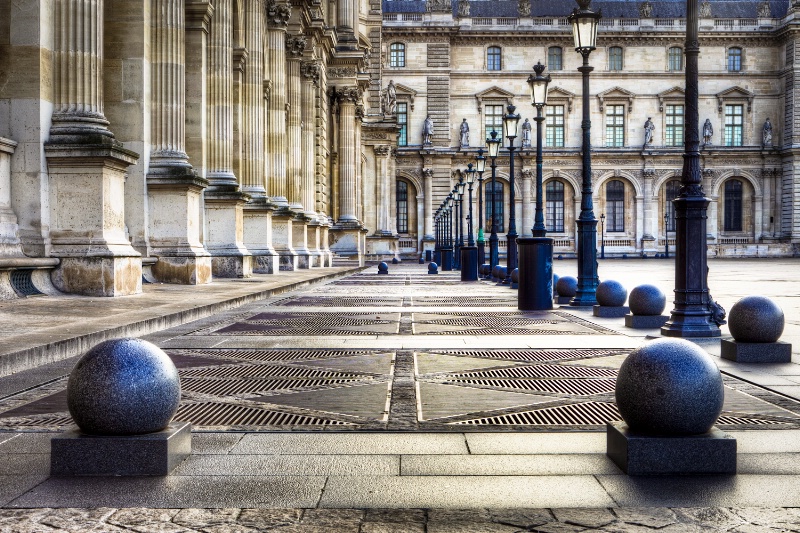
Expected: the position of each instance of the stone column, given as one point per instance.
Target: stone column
(223, 200)
(310, 74)
(382, 193)
(198, 19)
(295, 46)
(173, 188)
(347, 23)
(86, 165)
(347, 96)
(277, 19)
(9, 237)
(528, 179)
(359, 164)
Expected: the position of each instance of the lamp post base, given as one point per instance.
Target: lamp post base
(535, 257)
(469, 263)
(447, 259)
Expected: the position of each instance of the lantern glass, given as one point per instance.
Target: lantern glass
(510, 122)
(461, 187)
(584, 29)
(480, 162)
(450, 202)
(470, 174)
(494, 145)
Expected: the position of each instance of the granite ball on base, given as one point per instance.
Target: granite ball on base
(433, 268)
(567, 288)
(515, 278)
(555, 285)
(646, 303)
(756, 323)
(670, 393)
(611, 296)
(383, 268)
(122, 394)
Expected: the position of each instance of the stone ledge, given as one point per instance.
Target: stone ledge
(607, 311)
(645, 321)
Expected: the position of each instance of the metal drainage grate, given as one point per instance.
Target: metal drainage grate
(504, 331)
(273, 355)
(341, 301)
(490, 322)
(230, 387)
(51, 421)
(535, 354)
(294, 331)
(226, 414)
(727, 420)
(577, 414)
(464, 301)
(578, 387)
(265, 371)
(22, 283)
(542, 371)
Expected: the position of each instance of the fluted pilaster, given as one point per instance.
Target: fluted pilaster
(347, 98)
(252, 177)
(383, 192)
(295, 45)
(310, 72)
(277, 19)
(220, 101)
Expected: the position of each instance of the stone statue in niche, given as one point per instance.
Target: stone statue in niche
(649, 129)
(391, 98)
(645, 10)
(526, 134)
(464, 133)
(708, 132)
(766, 135)
(705, 10)
(427, 130)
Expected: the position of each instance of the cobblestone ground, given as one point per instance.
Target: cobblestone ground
(710, 519)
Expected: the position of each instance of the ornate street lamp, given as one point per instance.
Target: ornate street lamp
(493, 143)
(536, 254)
(447, 251)
(666, 234)
(584, 30)
(603, 236)
(510, 122)
(457, 227)
(480, 167)
(469, 253)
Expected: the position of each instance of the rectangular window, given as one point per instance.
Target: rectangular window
(675, 125)
(554, 126)
(734, 125)
(554, 58)
(615, 126)
(494, 120)
(402, 122)
(615, 58)
(493, 58)
(402, 207)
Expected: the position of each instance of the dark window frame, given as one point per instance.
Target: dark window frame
(734, 201)
(494, 200)
(494, 58)
(554, 206)
(397, 55)
(401, 203)
(615, 206)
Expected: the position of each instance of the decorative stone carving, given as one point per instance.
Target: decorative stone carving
(382, 150)
(438, 6)
(347, 94)
(374, 136)
(427, 130)
(705, 9)
(295, 46)
(341, 72)
(524, 8)
(526, 134)
(278, 14)
(310, 70)
(427, 172)
(766, 136)
(463, 8)
(764, 10)
(708, 132)
(645, 10)
(464, 133)
(649, 129)
(391, 98)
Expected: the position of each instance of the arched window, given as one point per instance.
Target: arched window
(615, 206)
(615, 58)
(734, 59)
(554, 58)
(493, 58)
(397, 55)
(494, 201)
(733, 205)
(676, 58)
(402, 207)
(554, 208)
(671, 191)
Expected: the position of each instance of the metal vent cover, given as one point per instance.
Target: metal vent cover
(252, 371)
(535, 354)
(22, 283)
(541, 371)
(463, 301)
(227, 414)
(273, 355)
(231, 387)
(572, 387)
(576, 414)
(340, 301)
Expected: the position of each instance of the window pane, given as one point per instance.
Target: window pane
(494, 200)
(397, 55)
(402, 121)
(554, 126)
(673, 188)
(675, 126)
(615, 206)
(402, 207)
(734, 125)
(493, 58)
(675, 58)
(733, 205)
(615, 125)
(734, 59)
(615, 58)
(494, 120)
(554, 207)
(554, 58)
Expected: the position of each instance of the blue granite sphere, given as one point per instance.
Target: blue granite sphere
(647, 300)
(433, 268)
(486, 269)
(502, 272)
(395, 261)
(515, 275)
(421, 260)
(611, 293)
(756, 319)
(383, 267)
(567, 286)
(123, 387)
(669, 387)
(496, 271)
(555, 284)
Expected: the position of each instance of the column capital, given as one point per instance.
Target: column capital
(427, 173)
(240, 59)
(382, 150)
(345, 94)
(360, 112)
(198, 14)
(310, 70)
(295, 46)
(278, 14)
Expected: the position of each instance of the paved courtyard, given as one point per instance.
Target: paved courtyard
(402, 400)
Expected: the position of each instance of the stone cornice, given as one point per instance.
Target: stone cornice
(198, 14)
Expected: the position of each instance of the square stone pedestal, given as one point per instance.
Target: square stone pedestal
(756, 352)
(639, 454)
(155, 454)
(607, 311)
(645, 321)
(563, 300)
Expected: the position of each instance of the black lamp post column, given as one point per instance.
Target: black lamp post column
(457, 230)
(692, 316)
(494, 250)
(666, 234)
(603, 236)
(510, 122)
(481, 164)
(469, 253)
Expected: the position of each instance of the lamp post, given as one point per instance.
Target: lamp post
(447, 250)
(493, 144)
(457, 228)
(536, 253)
(584, 30)
(469, 253)
(437, 254)
(603, 236)
(480, 167)
(666, 234)
(692, 315)
(510, 122)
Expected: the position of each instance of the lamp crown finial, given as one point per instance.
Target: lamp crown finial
(538, 68)
(584, 4)
(493, 134)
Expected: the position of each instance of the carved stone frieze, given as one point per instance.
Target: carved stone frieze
(310, 70)
(278, 14)
(374, 135)
(427, 172)
(382, 150)
(524, 8)
(463, 8)
(295, 46)
(341, 72)
(438, 6)
(705, 9)
(347, 94)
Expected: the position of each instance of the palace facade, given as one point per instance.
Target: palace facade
(182, 140)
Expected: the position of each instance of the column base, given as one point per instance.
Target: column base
(382, 247)
(300, 242)
(348, 240)
(258, 235)
(184, 270)
(232, 266)
(99, 276)
(690, 327)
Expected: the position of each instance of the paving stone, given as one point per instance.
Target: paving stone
(526, 518)
(290, 465)
(536, 443)
(393, 527)
(395, 515)
(459, 515)
(775, 517)
(214, 443)
(269, 518)
(351, 443)
(558, 527)
(464, 527)
(654, 517)
(141, 515)
(206, 517)
(589, 518)
(332, 517)
(228, 528)
(76, 519)
(507, 465)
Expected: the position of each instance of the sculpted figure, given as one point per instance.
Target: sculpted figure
(391, 97)
(708, 132)
(464, 133)
(427, 130)
(649, 128)
(526, 134)
(767, 134)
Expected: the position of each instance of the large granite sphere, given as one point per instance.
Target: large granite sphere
(123, 387)
(383, 267)
(486, 269)
(502, 272)
(496, 271)
(611, 293)
(669, 387)
(433, 268)
(567, 286)
(756, 319)
(515, 275)
(647, 300)
(555, 284)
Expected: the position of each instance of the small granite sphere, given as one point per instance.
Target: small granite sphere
(555, 284)
(647, 300)
(669, 387)
(611, 293)
(421, 260)
(433, 268)
(123, 387)
(515, 275)
(502, 272)
(383, 267)
(567, 286)
(395, 261)
(756, 319)
(486, 269)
